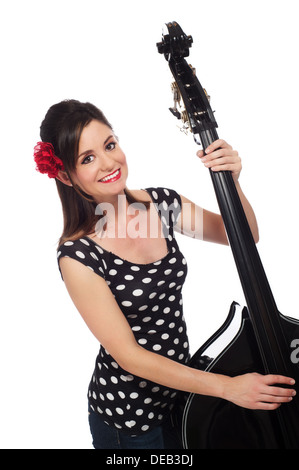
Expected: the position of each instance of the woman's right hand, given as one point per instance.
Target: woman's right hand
(259, 392)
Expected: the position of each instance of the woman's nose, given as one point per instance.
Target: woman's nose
(106, 162)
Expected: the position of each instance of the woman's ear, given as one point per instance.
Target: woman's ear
(63, 177)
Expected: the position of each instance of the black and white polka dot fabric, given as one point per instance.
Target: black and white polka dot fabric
(150, 297)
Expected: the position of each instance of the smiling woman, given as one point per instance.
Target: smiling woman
(128, 289)
(68, 126)
(101, 162)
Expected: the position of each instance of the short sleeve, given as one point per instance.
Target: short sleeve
(84, 251)
(168, 203)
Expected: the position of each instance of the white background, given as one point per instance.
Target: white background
(245, 53)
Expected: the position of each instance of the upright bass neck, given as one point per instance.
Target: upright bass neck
(261, 305)
(199, 118)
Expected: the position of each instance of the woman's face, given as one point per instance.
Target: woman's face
(101, 169)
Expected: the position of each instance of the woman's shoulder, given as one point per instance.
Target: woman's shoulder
(157, 194)
(84, 250)
(73, 243)
(167, 201)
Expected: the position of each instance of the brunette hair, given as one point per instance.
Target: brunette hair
(62, 127)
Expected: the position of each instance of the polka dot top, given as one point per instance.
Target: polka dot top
(150, 297)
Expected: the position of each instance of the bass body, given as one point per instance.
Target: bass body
(212, 423)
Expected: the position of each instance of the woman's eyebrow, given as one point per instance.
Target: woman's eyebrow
(90, 151)
(84, 153)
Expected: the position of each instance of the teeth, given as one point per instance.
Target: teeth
(107, 178)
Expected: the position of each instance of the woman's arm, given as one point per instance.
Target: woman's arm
(200, 223)
(100, 311)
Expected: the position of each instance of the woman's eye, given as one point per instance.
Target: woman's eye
(111, 146)
(87, 159)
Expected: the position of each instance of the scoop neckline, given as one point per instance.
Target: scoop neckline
(157, 262)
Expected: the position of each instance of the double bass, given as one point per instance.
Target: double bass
(266, 341)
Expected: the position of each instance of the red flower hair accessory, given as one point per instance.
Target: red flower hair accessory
(46, 160)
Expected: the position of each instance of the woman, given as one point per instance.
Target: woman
(124, 272)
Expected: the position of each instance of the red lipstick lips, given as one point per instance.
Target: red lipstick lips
(112, 177)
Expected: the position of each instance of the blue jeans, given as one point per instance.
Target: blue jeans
(107, 437)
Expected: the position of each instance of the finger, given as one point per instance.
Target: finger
(279, 392)
(223, 153)
(216, 166)
(200, 153)
(219, 143)
(223, 168)
(221, 159)
(272, 379)
(268, 398)
(267, 406)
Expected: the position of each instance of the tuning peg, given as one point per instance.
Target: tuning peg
(175, 112)
(161, 47)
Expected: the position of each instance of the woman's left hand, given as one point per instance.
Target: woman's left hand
(220, 156)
